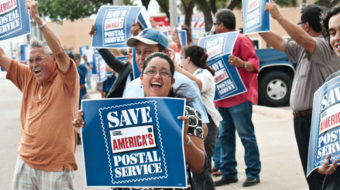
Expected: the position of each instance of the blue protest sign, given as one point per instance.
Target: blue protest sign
(100, 65)
(255, 19)
(218, 44)
(227, 79)
(325, 128)
(113, 25)
(136, 72)
(182, 35)
(134, 142)
(23, 53)
(14, 20)
(83, 50)
(228, 82)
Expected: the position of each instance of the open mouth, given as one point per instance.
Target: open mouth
(156, 85)
(37, 70)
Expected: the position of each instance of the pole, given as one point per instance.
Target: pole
(117, 2)
(173, 14)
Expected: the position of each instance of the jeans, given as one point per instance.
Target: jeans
(209, 145)
(88, 79)
(302, 127)
(238, 118)
(217, 153)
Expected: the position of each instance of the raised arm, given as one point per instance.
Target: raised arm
(63, 61)
(274, 40)
(111, 60)
(5, 61)
(294, 31)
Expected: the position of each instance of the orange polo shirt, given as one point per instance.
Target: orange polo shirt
(47, 137)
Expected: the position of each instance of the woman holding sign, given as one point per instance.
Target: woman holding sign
(157, 80)
(195, 67)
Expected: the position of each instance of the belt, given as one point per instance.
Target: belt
(302, 113)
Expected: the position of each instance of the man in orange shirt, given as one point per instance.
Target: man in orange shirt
(50, 87)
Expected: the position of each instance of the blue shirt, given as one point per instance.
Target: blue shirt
(134, 89)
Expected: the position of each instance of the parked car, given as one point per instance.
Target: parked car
(275, 77)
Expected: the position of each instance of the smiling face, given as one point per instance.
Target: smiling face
(41, 64)
(156, 78)
(142, 51)
(334, 33)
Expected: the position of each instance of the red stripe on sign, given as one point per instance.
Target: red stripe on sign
(201, 25)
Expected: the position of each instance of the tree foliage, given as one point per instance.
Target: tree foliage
(71, 9)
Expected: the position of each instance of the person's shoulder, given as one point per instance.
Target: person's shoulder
(134, 83)
(179, 77)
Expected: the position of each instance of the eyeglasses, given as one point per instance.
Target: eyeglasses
(36, 60)
(154, 73)
(301, 22)
(216, 23)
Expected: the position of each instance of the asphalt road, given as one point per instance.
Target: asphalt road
(281, 169)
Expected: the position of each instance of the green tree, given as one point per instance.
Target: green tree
(72, 9)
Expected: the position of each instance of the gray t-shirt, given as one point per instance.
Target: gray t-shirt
(311, 71)
(333, 75)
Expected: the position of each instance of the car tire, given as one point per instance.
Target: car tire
(274, 89)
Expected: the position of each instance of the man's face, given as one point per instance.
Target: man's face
(142, 51)
(218, 27)
(334, 33)
(41, 64)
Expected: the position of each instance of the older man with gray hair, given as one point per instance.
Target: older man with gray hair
(50, 87)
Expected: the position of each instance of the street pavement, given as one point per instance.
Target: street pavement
(281, 168)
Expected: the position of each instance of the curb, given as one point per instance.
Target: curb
(272, 112)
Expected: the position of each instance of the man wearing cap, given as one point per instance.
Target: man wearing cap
(315, 61)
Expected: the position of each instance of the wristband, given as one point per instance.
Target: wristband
(41, 26)
(245, 65)
(188, 141)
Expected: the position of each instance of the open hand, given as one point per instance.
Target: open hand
(325, 169)
(32, 8)
(78, 122)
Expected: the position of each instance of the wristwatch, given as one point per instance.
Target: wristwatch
(245, 65)
(41, 26)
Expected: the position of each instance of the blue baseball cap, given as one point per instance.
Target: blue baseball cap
(149, 36)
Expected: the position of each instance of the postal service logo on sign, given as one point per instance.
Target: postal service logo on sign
(134, 147)
(114, 21)
(214, 46)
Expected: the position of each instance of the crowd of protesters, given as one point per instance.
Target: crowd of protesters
(53, 84)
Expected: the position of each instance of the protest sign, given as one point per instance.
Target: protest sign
(24, 53)
(14, 20)
(218, 44)
(83, 50)
(100, 67)
(182, 35)
(113, 25)
(134, 142)
(325, 128)
(136, 72)
(228, 82)
(227, 79)
(255, 18)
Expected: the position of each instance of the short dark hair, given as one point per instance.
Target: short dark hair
(313, 14)
(333, 11)
(227, 17)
